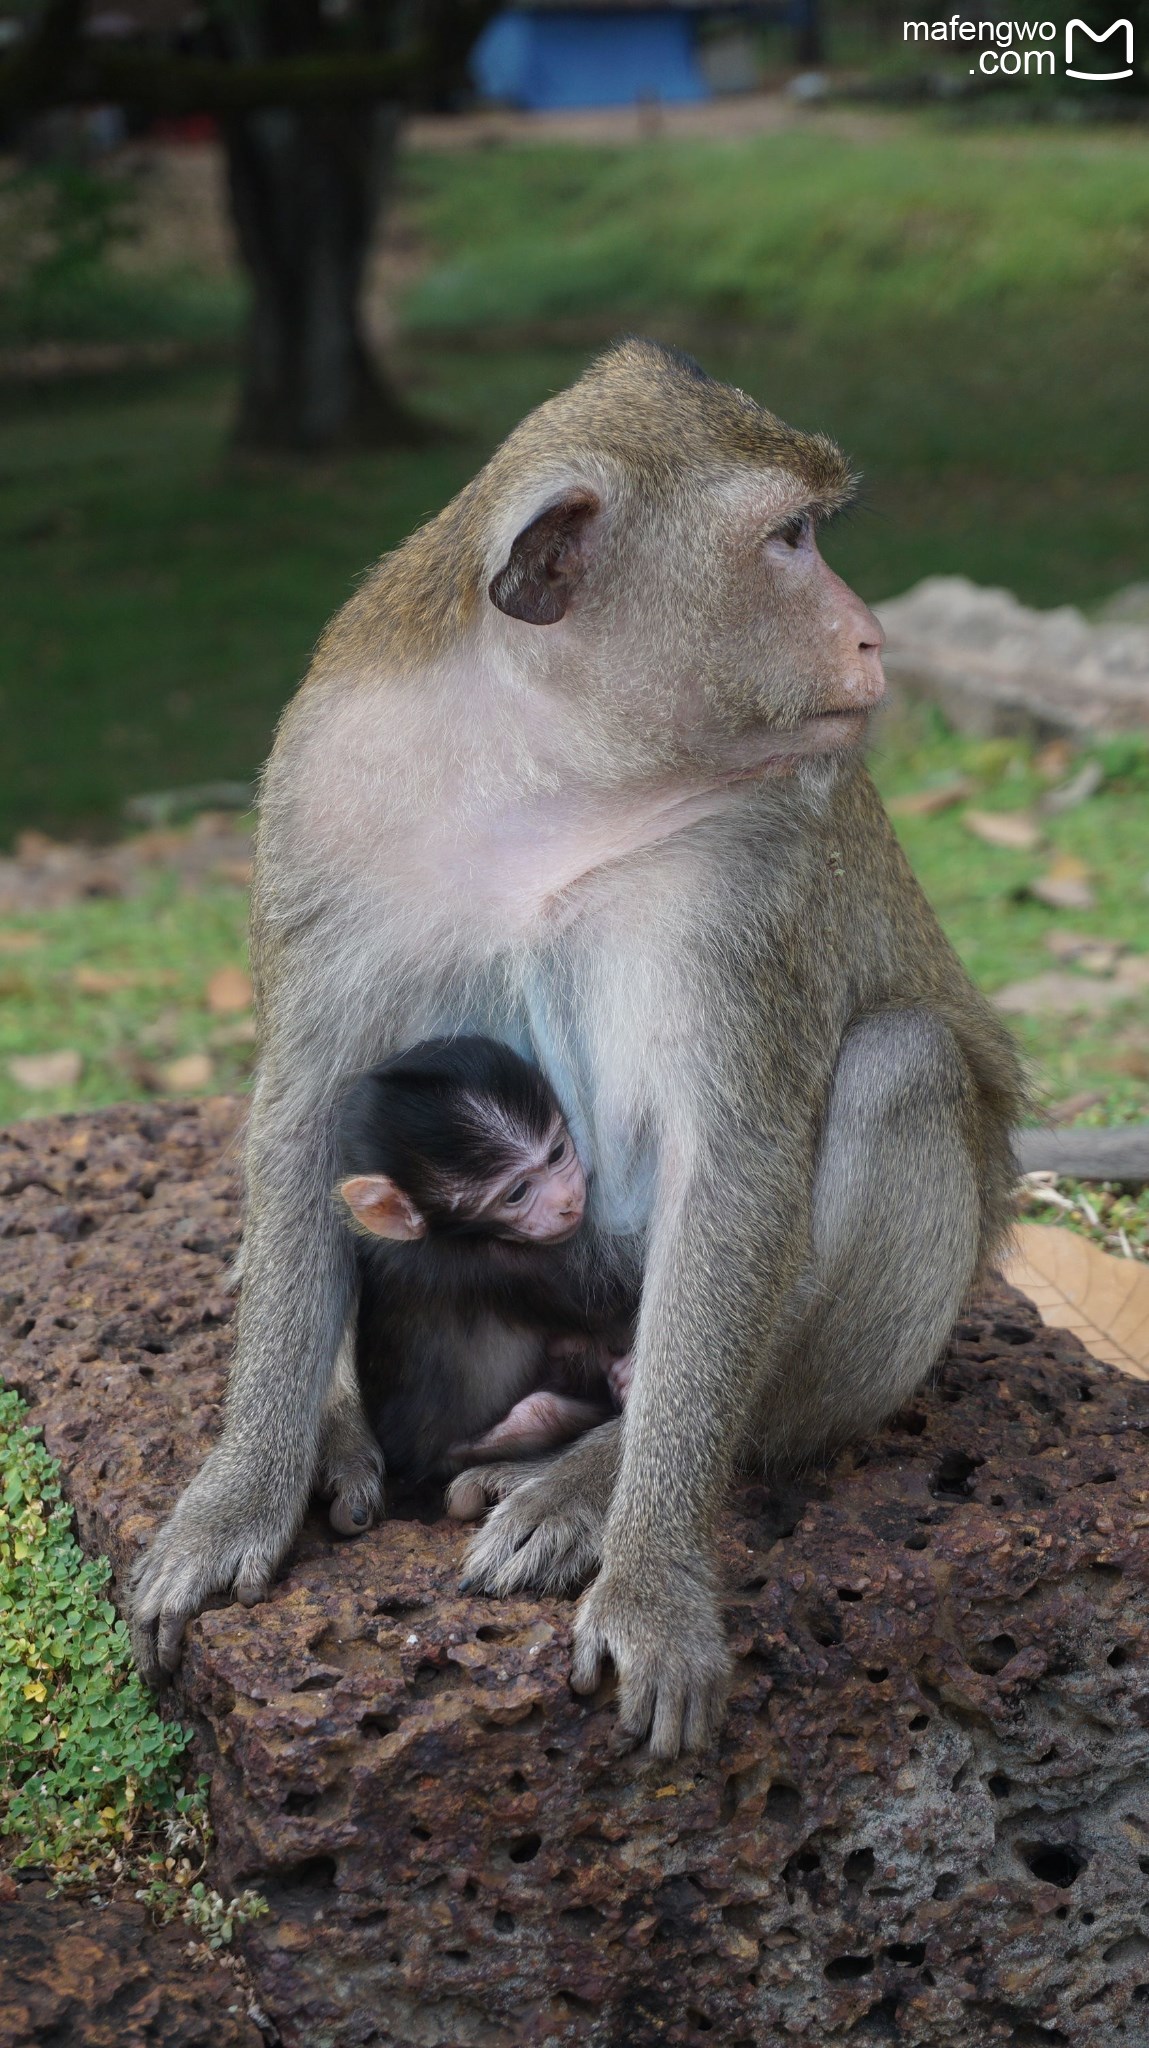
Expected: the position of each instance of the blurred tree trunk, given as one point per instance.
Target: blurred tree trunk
(306, 188)
(809, 43)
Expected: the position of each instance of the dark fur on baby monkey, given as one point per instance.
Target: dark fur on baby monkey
(492, 1321)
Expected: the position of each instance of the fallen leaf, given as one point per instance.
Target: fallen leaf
(923, 803)
(1014, 830)
(242, 1032)
(237, 872)
(1059, 993)
(1133, 973)
(1096, 956)
(184, 1076)
(1134, 1062)
(1102, 1299)
(1074, 1105)
(103, 981)
(1078, 790)
(20, 942)
(107, 981)
(227, 990)
(1065, 885)
(41, 1071)
(1052, 761)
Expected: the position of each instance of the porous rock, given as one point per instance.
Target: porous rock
(927, 1821)
(78, 1975)
(994, 665)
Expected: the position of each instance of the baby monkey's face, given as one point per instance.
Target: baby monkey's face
(542, 1196)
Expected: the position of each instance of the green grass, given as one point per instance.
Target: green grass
(965, 311)
(979, 893)
(171, 941)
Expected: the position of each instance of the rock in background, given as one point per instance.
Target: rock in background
(927, 1821)
(995, 666)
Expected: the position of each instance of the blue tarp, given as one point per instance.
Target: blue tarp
(587, 60)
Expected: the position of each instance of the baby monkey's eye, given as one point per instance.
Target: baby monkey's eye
(518, 1192)
(557, 1152)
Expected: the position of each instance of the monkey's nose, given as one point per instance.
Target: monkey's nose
(866, 683)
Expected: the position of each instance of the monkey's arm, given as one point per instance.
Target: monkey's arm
(236, 1520)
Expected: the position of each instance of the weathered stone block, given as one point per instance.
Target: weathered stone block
(927, 1821)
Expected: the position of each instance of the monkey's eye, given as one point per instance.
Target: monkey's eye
(795, 532)
(518, 1193)
(557, 1152)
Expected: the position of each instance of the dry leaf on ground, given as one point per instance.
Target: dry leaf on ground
(103, 981)
(243, 1032)
(1059, 994)
(1074, 1105)
(228, 990)
(184, 1076)
(924, 803)
(1095, 956)
(1052, 761)
(41, 1071)
(1102, 1299)
(1065, 885)
(108, 981)
(1078, 790)
(237, 872)
(20, 942)
(1014, 830)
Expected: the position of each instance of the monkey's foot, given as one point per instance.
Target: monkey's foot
(351, 1477)
(350, 1471)
(546, 1531)
(663, 1633)
(619, 1374)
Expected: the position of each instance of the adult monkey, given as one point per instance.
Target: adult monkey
(578, 767)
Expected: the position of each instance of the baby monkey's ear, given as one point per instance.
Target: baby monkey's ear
(382, 1208)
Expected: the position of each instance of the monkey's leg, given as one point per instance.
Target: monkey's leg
(895, 1227)
(539, 1422)
(236, 1520)
(350, 1457)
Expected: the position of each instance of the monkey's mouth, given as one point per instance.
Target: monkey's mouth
(778, 751)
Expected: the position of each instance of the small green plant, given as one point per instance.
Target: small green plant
(1125, 762)
(89, 1773)
(216, 1919)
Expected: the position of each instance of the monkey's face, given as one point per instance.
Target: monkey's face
(537, 1197)
(672, 578)
(542, 1198)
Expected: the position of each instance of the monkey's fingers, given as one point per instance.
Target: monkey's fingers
(670, 1654)
(349, 1517)
(473, 1492)
(170, 1640)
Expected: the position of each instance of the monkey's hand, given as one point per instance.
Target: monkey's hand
(225, 1535)
(665, 1639)
(546, 1531)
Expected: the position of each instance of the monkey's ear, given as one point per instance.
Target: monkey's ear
(547, 559)
(382, 1208)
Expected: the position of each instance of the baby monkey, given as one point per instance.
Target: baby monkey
(493, 1322)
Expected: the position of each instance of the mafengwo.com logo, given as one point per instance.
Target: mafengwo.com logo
(1030, 49)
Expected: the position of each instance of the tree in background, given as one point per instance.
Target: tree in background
(309, 96)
